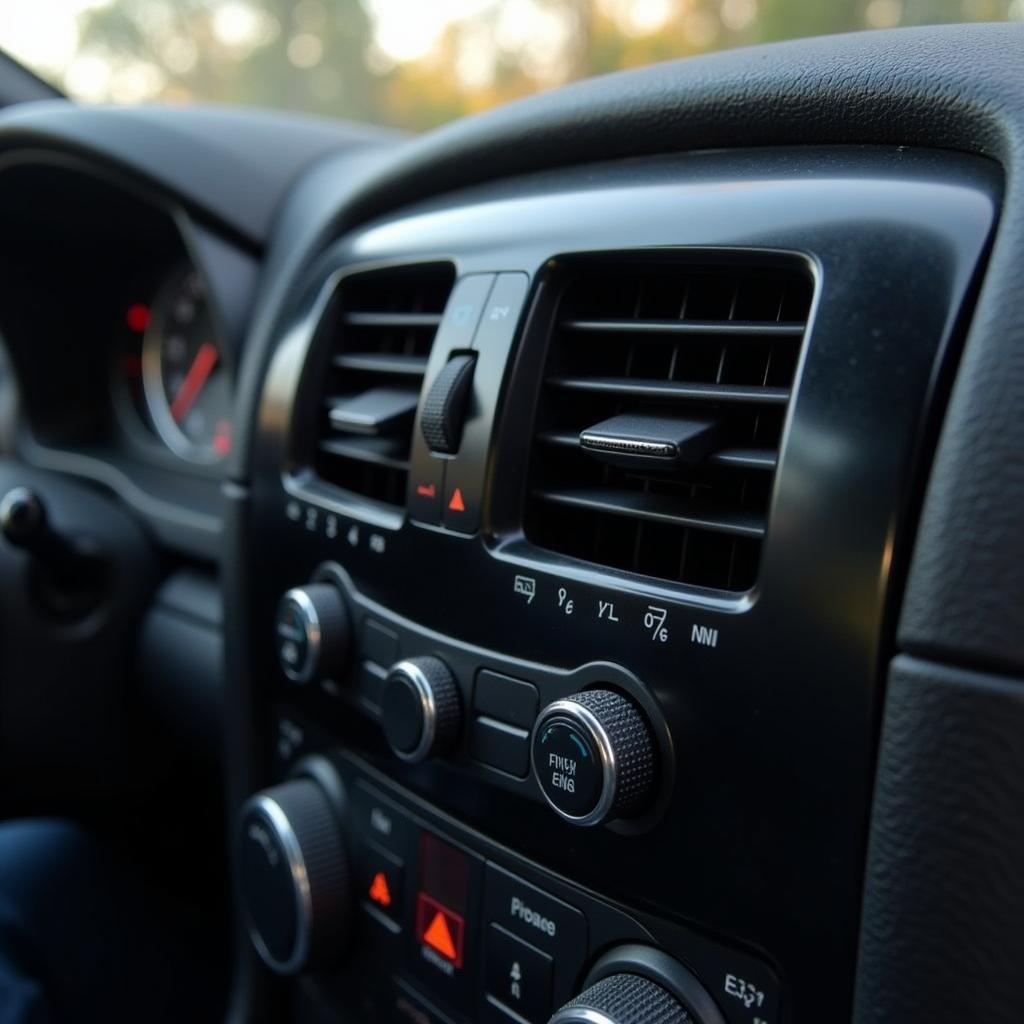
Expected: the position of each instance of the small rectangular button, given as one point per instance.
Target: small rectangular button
(554, 927)
(461, 511)
(381, 876)
(500, 317)
(371, 684)
(377, 819)
(463, 311)
(445, 947)
(379, 644)
(500, 746)
(505, 699)
(518, 976)
(425, 496)
(409, 1007)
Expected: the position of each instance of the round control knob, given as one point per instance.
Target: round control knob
(311, 631)
(624, 999)
(594, 757)
(637, 984)
(294, 875)
(421, 709)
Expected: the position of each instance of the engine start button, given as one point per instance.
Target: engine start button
(567, 766)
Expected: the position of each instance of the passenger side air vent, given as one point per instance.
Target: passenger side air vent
(659, 422)
(382, 325)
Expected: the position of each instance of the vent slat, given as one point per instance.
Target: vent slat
(668, 390)
(377, 451)
(650, 345)
(389, 319)
(747, 458)
(655, 509)
(723, 328)
(559, 438)
(383, 363)
(740, 458)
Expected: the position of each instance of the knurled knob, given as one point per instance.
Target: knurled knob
(421, 708)
(624, 999)
(312, 633)
(294, 875)
(594, 757)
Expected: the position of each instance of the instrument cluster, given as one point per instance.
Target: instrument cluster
(172, 373)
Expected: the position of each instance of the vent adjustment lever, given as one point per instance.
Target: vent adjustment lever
(638, 439)
(378, 412)
(444, 411)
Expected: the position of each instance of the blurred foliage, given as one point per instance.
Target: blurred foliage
(323, 56)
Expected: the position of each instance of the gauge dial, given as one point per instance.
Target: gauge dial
(185, 376)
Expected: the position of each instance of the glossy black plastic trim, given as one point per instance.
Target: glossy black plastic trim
(895, 240)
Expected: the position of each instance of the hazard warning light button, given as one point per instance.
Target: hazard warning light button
(443, 941)
(461, 499)
(442, 933)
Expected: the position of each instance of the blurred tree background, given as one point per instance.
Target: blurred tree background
(417, 63)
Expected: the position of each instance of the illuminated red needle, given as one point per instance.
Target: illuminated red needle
(201, 368)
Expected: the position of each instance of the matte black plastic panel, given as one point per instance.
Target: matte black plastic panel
(66, 725)
(232, 166)
(769, 699)
(181, 660)
(944, 898)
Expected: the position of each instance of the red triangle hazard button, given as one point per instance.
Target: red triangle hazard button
(441, 931)
(456, 504)
(439, 937)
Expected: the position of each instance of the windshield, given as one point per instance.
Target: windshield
(406, 63)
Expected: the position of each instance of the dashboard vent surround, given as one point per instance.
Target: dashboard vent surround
(701, 358)
(382, 325)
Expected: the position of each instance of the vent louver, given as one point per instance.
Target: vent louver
(697, 360)
(382, 325)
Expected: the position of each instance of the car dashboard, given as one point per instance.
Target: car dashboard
(586, 537)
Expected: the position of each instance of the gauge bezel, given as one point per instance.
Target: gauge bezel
(157, 405)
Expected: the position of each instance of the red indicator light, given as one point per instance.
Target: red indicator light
(440, 929)
(137, 317)
(426, 490)
(222, 437)
(457, 504)
(379, 891)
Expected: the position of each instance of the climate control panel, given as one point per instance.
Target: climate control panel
(594, 754)
(343, 876)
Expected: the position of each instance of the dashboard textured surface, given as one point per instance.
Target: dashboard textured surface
(216, 160)
(949, 792)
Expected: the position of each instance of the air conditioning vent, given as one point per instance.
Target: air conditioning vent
(658, 426)
(382, 325)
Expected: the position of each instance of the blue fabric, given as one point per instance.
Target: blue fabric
(83, 939)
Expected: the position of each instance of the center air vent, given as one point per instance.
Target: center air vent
(382, 325)
(659, 422)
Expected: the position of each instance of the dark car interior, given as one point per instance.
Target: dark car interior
(564, 567)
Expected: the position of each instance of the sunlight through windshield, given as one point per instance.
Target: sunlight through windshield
(407, 63)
